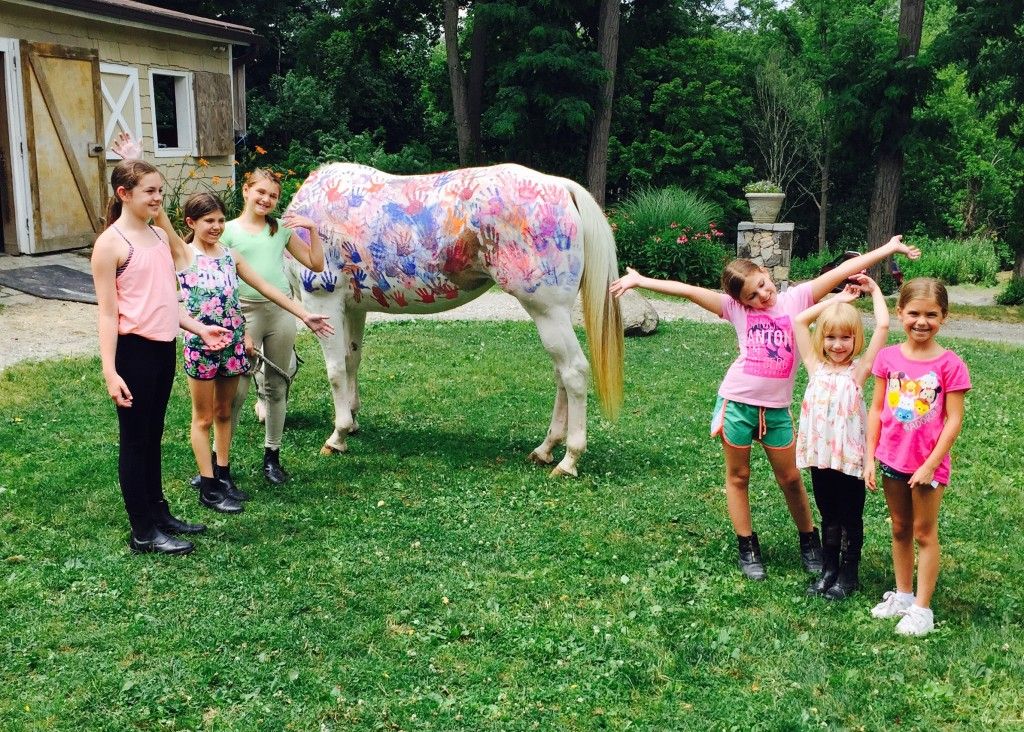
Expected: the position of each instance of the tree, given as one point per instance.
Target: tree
(457, 79)
(597, 150)
(905, 88)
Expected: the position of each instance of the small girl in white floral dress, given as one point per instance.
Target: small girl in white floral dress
(830, 440)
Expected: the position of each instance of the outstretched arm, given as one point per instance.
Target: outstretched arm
(823, 284)
(315, 322)
(881, 334)
(311, 257)
(214, 336)
(710, 300)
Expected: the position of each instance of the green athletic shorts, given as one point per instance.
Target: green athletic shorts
(740, 424)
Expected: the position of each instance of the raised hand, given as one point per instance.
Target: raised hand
(898, 247)
(848, 293)
(295, 221)
(865, 283)
(127, 147)
(628, 281)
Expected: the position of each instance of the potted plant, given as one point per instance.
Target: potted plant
(765, 199)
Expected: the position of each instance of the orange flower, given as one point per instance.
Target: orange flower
(260, 150)
(203, 162)
(278, 174)
(216, 180)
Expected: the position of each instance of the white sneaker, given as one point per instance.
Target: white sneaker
(916, 621)
(891, 606)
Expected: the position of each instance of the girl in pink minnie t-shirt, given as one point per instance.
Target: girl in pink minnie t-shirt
(915, 417)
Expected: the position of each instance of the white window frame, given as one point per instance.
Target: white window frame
(129, 95)
(184, 101)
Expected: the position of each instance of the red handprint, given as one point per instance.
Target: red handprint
(379, 296)
(425, 295)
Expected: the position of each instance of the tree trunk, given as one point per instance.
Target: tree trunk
(457, 79)
(597, 151)
(885, 197)
(823, 205)
(477, 67)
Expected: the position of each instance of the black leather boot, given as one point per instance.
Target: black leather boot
(157, 541)
(223, 474)
(750, 557)
(848, 581)
(272, 469)
(195, 478)
(170, 524)
(212, 495)
(810, 551)
(832, 539)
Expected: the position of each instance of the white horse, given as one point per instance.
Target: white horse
(427, 243)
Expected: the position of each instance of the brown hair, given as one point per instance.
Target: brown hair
(924, 288)
(735, 274)
(840, 317)
(127, 175)
(265, 174)
(197, 206)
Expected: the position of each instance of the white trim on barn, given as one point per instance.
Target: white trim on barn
(185, 109)
(129, 93)
(23, 218)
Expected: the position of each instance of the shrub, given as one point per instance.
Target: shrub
(807, 268)
(1013, 294)
(670, 233)
(954, 261)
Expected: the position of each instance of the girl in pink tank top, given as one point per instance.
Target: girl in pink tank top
(138, 320)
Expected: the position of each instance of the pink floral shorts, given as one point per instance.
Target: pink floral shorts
(204, 364)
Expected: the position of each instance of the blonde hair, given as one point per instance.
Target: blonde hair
(924, 288)
(265, 174)
(841, 318)
(735, 275)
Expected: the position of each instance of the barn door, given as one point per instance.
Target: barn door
(64, 125)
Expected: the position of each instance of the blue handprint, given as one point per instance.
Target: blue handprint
(329, 280)
(308, 278)
(352, 252)
(359, 277)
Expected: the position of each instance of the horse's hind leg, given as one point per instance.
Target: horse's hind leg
(569, 418)
(543, 454)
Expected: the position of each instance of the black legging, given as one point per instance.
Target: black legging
(147, 367)
(840, 500)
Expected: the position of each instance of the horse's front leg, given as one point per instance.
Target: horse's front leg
(556, 333)
(355, 322)
(335, 349)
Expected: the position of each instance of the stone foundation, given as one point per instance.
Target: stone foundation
(770, 245)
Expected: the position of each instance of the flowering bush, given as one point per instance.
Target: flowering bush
(670, 233)
(762, 186)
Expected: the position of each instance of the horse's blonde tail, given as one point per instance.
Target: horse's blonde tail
(601, 315)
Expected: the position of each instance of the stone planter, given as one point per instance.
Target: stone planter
(765, 207)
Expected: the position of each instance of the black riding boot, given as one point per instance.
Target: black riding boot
(832, 539)
(272, 469)
(810, 551)
(170, 524)
(849, 580)
(750, 557)
(195, 478)
(223, 474)
(157, 541)
(212, 495)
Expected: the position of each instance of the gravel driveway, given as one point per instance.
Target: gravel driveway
(36, 329)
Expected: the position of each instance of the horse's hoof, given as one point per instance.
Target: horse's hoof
(559, 472)
(537, 459)
(329, 449)
(354, 429)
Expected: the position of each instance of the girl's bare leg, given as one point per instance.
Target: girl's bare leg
(901, 511)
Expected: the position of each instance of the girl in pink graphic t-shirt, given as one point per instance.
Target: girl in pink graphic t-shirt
(755, 395)
(915, 417)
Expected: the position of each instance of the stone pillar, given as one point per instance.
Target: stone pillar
(770, 245)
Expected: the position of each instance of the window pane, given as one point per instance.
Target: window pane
(165, 101)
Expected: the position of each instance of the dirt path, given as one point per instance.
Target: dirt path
(36, 329)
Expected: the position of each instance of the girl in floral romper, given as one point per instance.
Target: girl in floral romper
(209, 287)
(830, 440)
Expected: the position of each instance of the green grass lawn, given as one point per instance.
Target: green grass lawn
(433, 579)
